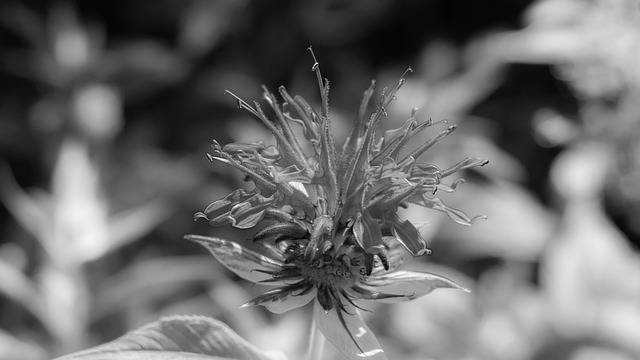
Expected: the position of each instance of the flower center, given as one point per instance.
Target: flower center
(337, 269)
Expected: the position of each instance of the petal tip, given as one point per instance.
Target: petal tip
(478, 217)
(245, 305)
(424, 251)
(204, 240)
(199, 215)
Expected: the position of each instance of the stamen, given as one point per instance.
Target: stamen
(242, 104)
(321, 84)
(409, 70)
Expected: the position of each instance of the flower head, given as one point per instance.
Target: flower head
(331, 229)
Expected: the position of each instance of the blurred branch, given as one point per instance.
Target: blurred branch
(19, 288)
(25, 209)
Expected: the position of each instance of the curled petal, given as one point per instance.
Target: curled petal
(348, 333)
(428, 174)
(255, 170)
(218, 211)
(248, 214)
(281, 300)
(407, 234)
(407, 285)
(245, 263)
(451, 188)
(454, 214)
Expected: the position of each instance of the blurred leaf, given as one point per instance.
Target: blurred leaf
(19, 288)
(517, 226)
(590, 272)
(130, 225)
(12, 348)
(445, 330)
(140, 281)
(205, 23)
(178, 337)
(80, 209)
(23, 22)
(24, 208)
(144, 67)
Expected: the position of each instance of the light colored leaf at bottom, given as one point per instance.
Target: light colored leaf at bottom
(177, 338)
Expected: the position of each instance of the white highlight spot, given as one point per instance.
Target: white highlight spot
(371, 353)
(299, 186)
(361, 332)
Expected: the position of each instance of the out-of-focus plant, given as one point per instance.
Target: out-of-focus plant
(586, 305)
(583, 306)
(594, 47)
(77, 222)
(578, 300)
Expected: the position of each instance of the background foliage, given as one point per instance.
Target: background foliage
(107, 107)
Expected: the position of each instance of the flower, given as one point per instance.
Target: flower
(332, 230)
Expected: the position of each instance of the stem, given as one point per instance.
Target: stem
(316, 343)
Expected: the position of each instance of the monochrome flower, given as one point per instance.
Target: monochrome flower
(329, 231)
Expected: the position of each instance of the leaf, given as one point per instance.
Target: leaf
(14, 348)
(407, 285)
(16, 286)
(246, 263)
(27, 211)
(130, 225)
(139, 283)
(177, 338)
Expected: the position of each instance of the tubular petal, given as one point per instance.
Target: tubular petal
(348, 333)
(454, 214)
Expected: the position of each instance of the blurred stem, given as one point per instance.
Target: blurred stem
(316, 343)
